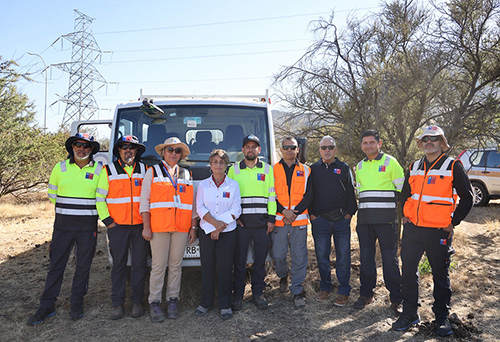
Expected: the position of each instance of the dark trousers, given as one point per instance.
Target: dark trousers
(261, 243)
(121, 238)
(217, 259)
(387, 239)
(60, 250)
(437, 246)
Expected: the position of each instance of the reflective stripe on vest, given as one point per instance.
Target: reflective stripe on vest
(75, 206)
(433, 198)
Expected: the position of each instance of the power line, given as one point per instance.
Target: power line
(206, 56)
(228, 22)
(212, 46)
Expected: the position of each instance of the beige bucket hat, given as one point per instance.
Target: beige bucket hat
(173, 142)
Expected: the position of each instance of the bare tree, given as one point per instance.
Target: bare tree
(392, 71)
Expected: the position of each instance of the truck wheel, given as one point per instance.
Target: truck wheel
(481, 197)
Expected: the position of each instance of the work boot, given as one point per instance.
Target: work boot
(284, 284)
(40, 315)
(362, 301)
(299, 301)
(137, 310)
(341, 300)
(323, 295)
(76, 311)
(117, 312)
(172, 310)
(405, 321)
(443, 326)
(156, 312)
(259, 301)
(237, 303)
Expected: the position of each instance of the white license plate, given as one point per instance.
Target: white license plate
(192, 252)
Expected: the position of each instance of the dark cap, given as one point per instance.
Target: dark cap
(249, 138)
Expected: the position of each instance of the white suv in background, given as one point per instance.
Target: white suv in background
(483, 169)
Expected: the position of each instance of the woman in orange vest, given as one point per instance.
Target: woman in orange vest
(166, 208)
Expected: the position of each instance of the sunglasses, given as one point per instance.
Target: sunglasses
(329, 147)
(80, 144)
(177, 150)
(432, 138)
(289, 147)
(128, 147)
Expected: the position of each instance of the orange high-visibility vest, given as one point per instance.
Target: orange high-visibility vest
(165, 215)
(298, 189)
(124, 193)
(433, 198)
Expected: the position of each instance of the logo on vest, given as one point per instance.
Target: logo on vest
(89, 175)
(182, 188)
(226, 194)
(337, 171)
(431, 180)
(261, 177)
(137, 182)
(381, 168)
(300, 173)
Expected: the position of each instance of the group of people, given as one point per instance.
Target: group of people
(259, 207)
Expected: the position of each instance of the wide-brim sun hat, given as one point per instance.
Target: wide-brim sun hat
(433, 131)
(82, 136)
(132, 140)
(173, 142)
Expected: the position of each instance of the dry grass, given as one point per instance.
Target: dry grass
(26, 233)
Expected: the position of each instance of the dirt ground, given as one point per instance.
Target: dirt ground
(26, 228)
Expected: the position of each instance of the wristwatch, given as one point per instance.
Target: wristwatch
(194, 227)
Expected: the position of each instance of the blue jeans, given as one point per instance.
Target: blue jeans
(322, 231)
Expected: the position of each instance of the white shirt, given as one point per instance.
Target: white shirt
(219, 201)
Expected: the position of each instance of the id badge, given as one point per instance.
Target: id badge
(177, 201)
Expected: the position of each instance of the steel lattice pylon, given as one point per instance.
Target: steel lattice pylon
(80, 101)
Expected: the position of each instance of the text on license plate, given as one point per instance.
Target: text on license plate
(192, 252)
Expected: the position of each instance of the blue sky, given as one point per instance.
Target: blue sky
(165, 47)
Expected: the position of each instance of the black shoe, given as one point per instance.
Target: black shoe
(443, 327)
(405, 321)
(172, 308)
(40, 315)
(76, 311)
(362, 301)
(284, 284)
(259, 301)
(237, 304)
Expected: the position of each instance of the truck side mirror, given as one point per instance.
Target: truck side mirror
(302, 141)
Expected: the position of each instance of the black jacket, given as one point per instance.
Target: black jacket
(332, 188)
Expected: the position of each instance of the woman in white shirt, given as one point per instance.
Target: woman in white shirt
(218, 204)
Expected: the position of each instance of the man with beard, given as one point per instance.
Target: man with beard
(258, 213)
(72, 187)
(430, 213)
(118, 198)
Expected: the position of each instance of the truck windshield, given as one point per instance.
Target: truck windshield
(201, 127)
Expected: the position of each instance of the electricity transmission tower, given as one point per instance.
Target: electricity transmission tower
(80, 101)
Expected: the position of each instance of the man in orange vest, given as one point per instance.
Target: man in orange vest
(118, 197)
(293, 196)
(430, 214)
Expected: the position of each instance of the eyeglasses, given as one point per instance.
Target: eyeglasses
(177, 150)
(327, 147)
(289, 147)
(432, 138)
(128, 147)
(80, 144)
